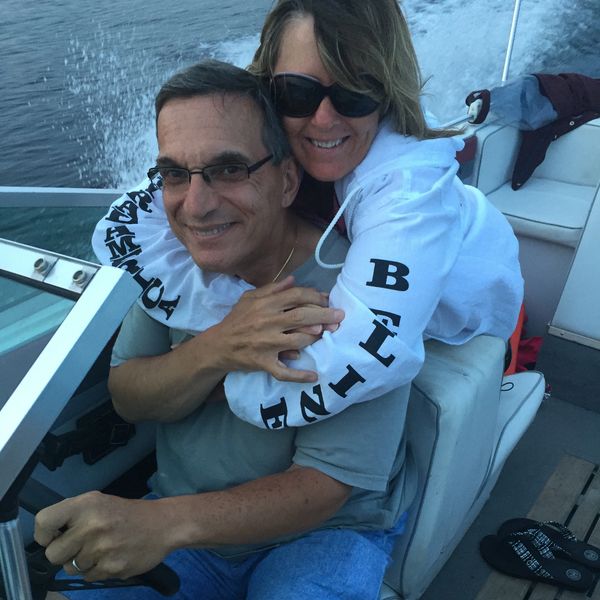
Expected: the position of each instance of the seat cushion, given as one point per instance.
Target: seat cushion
(546, 209)
(460, 429)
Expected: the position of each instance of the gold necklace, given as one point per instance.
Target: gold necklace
(285, 264)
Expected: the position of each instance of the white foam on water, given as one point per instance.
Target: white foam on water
(239, 52)
(460, 46)
(113, 90)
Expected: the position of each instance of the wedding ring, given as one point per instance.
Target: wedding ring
(76, 566)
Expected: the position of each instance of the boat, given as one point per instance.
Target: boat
(519, 444)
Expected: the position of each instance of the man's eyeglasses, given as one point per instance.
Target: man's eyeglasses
(217, 176)
(299, 96)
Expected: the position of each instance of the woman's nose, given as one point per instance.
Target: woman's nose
(325, 116)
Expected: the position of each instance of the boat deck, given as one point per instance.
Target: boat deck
(571, 496)
(553, 474)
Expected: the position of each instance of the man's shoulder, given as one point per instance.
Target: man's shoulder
(333, 251)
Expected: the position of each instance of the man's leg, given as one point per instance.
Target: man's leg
(329, 564)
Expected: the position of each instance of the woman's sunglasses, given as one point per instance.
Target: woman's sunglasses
(300, 96)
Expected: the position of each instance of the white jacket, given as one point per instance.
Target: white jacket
(429, 258)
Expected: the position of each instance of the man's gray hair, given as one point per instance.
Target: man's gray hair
(215, 77)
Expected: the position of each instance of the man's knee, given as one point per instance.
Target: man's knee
(325, 565)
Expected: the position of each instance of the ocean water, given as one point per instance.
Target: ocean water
(78, 77)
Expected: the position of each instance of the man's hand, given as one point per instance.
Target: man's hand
(109, 537)
(274, 322)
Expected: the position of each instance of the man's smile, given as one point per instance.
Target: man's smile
(209, 230)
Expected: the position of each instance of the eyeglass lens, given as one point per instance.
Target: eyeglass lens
(215, 175)
(300, 96)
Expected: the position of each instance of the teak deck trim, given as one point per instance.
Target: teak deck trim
(571, 496)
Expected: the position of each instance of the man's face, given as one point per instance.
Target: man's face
(229, 230)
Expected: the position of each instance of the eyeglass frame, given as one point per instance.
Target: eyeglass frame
(154, 171)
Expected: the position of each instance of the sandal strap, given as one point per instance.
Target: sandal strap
(560, 528)
(542, 542)
(528, 558)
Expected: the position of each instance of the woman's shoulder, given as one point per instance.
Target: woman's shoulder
(395, 160)
(392, 150)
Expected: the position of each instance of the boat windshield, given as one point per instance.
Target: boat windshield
(28, 318)
(57, 314)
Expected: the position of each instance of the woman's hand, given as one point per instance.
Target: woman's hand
(275, 322)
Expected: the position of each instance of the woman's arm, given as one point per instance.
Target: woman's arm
(155, 382)
(403, 248)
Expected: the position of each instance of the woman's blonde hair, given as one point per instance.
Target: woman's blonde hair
(366, 46)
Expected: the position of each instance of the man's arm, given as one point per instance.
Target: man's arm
(166, 385)
(105, 533)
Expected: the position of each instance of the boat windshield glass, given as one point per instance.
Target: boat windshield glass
(28, 318)
(57, 314)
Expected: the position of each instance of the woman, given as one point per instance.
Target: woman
(429, 256)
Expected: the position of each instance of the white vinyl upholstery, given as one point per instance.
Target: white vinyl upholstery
(460, 428)
(549, 213)
(577, 314)
(546, 209)
(553, 205)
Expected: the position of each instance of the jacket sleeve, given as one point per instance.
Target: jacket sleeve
(404, 244)
(134, 236)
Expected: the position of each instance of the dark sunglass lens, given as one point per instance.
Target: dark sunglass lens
(352, 104)
(297, 96)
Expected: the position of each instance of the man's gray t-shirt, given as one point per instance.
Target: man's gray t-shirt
(212, 449)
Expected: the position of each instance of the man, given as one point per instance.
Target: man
(240, 512)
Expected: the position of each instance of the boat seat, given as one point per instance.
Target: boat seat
(554, 203)
(549, 213)
(461, 426)
(546, 209)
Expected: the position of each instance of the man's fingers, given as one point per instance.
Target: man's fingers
(63, 548)
(50, 521)
(84, 565)
(44, 536)
(107, 569)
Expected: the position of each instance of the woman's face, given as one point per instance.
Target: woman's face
(327, 144)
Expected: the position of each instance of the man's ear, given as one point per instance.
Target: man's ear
(291, 181)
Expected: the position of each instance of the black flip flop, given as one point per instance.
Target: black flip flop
(562, 541)
(519, 557)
